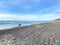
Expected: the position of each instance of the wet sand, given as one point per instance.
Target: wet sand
(38, 34)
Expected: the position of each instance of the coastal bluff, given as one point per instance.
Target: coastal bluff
(37, 34)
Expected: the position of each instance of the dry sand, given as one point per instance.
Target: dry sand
(39, 34)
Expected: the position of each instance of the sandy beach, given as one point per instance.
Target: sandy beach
(37, 34)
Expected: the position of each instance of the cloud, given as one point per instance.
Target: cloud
(2, 4)
(28, 17)
(29, 6)
(17, 17)
(40, 9)
(52, 9)
(24, 4)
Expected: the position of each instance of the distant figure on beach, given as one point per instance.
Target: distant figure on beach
(19, 25)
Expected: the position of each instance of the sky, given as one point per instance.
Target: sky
(29, 10)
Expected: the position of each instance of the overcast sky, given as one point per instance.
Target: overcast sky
(29, 10)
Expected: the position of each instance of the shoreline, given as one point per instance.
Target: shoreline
(16, 25)
(13, 27)
(4, 27)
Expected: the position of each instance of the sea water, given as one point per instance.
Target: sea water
(11, 24)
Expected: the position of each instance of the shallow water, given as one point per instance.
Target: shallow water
(11, 24)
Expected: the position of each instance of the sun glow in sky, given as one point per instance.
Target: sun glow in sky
(29, 10)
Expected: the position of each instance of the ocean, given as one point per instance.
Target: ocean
(11, 24)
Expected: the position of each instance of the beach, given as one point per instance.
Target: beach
(37, 34)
